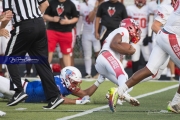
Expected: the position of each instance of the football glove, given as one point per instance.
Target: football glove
(147, 40)
(84, 100)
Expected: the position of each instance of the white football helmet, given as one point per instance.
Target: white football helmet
(71, 77)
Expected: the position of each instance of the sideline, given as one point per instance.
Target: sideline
(106, 106)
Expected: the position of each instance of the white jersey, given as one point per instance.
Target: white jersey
(163, 13)
(173, 22)
(76, 3)
(125, 38)
(153, 6)
(140, 15)
(84, 12)
(9, 25)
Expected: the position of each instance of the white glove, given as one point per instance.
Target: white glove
(99, 80)
(2, 113)
(84, 100)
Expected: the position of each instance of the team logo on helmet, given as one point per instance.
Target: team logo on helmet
(69, 73)
(111, 11)
(60, 9)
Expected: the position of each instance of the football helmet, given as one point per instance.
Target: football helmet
(173, 3)
(133, 28)
(140, 3)
(71, 78)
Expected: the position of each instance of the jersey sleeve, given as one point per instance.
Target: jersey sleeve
(74, 11)
(163, 14)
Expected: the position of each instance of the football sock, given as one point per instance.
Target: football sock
(176, 99)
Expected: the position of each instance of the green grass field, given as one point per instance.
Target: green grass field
(153, 107)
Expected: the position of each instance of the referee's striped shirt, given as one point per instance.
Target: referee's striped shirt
(23, 9)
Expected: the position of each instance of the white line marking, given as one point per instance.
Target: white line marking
(106, 106)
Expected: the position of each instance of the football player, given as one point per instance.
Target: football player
(167, 45)
(88, 39)
(108, 62)
(153, 7)
(68, 83)
(138, 11)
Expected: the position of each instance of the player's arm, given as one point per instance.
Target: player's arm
(117, 46)
(156, 26)
(97, 24)
(43, 4)
(89, 91)
(92, 14)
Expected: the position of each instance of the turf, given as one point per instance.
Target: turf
(152, 107)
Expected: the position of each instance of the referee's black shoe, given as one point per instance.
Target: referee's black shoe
(17, 98)
(55, 102)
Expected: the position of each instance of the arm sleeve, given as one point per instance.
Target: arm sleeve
(74, 11)
(6, 5)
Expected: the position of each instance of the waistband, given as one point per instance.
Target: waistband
(27, 21)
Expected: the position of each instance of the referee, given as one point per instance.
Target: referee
(29, 36)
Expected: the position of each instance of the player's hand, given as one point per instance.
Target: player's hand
(147, 40)
(56, 19)
(4, 32)
(97, 36)
(84, 100)
(65, 21)
(8, 15)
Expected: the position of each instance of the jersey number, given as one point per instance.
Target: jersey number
(142, 22)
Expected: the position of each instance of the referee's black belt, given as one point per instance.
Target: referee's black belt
(27, 21)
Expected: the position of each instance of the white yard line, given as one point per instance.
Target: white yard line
(106, 106)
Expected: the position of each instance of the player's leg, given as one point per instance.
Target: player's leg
(115, 74)
(97, 47)
(58, 49)
(170, 45)
(135, 57)
(87, 50)
(52, 41)
(65, 42)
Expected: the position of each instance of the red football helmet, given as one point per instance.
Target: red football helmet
(56, 67)
(133, 28)
(173, 3)
(140, 3)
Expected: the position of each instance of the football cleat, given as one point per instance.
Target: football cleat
(131, 100)
(112, 98)
(173, 108)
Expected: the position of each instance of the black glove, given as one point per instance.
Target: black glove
(147, 40)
